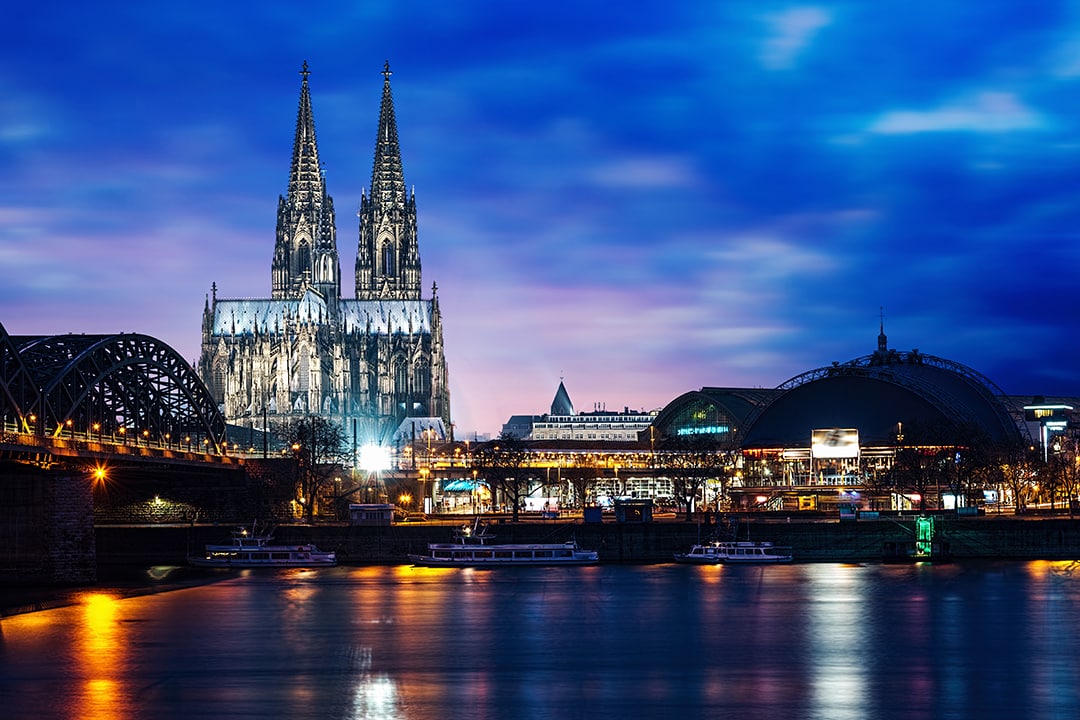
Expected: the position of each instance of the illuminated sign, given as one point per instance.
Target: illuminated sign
(707, 430)
(835, 443)
(1044, 413)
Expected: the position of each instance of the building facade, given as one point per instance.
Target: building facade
(561, 423)
(371, 361)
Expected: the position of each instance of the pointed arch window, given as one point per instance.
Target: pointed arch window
(303, 258)
(401, 376)
(389, 260)
(421, 374)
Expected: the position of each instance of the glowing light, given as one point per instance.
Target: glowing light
(374, 458)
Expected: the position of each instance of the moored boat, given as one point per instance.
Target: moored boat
(707, 554)
(735, 553)
(255, 549)
(472, 550)
(756, 553)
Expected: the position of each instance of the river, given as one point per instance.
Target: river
(825, 641)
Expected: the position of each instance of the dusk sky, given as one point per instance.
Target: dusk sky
(641, 199)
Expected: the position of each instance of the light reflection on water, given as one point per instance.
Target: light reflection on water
(828, 641)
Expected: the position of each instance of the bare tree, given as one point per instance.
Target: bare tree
(690, 462)
(505, 465)
(582, 480)
(319, 449)
(1018, 469)
(930, 458)
(1068, 459)
(972, 464)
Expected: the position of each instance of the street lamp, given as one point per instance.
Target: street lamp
(424, 472)
(475, 491)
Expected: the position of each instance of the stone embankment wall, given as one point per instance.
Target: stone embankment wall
(828, 541)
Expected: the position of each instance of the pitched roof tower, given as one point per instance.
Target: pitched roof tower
(561, 404)
(388, 255)
(305, 253)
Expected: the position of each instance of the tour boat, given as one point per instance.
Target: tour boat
(253, 549)
(708, 554)
(735, 553)
(472, 550)
(755, 553)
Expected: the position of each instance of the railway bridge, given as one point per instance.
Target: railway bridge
(77, 409)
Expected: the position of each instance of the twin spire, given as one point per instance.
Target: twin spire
(305, 175)
(305, 253)
(387, 175)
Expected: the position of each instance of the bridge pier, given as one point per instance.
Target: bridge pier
(46, 527)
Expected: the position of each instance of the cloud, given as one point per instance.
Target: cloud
(791, 33)
(988, 112)
(646, 173)
(1066, 59)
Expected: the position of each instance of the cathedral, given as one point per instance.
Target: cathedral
(373, 361)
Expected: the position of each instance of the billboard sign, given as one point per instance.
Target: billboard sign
(1046, 414)
(834, 443)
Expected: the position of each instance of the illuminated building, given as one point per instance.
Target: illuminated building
(561, 423)
(832, 438)
(306, 350)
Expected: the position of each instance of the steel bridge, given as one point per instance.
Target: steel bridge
(102, 394)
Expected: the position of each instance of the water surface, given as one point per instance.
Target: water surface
(829, 641)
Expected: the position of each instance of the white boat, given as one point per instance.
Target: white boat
(708, 554)
(754, 553)
(254, 549)
(472, 550)
(735, 553)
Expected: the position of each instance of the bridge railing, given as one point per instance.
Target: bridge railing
(100, 443)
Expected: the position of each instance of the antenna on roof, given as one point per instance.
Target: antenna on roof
(882, 341)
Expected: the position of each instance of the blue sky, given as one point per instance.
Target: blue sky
(642, 202)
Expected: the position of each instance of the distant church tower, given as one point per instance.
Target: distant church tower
(371, 361)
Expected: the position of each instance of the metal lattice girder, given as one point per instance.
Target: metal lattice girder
(128, 381)
(18, 392)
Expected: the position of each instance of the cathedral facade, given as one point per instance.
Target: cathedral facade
(371, 361)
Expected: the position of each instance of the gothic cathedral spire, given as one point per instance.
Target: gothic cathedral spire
(388, 255)
(305, 254)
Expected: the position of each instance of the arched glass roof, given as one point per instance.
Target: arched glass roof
(879, 394)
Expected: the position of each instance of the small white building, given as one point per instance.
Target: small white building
(563, 424)
(371, 513)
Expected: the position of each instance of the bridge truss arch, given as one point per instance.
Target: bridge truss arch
(125, 385)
